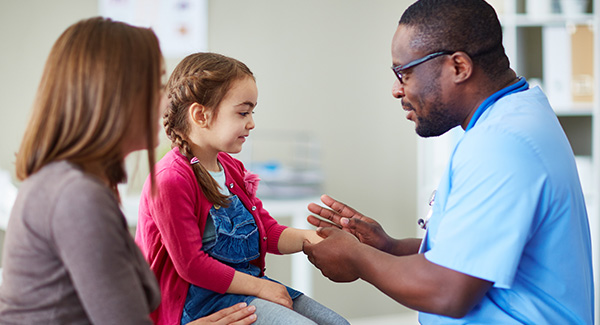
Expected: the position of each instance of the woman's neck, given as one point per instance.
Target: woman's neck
(98, 171)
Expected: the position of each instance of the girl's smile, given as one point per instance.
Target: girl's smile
(226, 129)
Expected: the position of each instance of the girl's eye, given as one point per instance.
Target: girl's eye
(244, 114)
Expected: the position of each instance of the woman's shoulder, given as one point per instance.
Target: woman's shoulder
(61, 190)
(58, 177)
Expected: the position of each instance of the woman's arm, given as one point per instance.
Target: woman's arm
(96, 250)
(292, 239)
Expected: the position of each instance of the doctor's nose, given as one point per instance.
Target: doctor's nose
(397, 89)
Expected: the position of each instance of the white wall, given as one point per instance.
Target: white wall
(324, 66)
(321, 67)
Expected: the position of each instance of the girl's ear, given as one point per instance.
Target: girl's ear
(198, 115)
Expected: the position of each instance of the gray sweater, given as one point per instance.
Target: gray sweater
(69, 258)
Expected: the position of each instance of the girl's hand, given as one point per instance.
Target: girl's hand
(291, 239)
(249, 285)
(274, 292)
(313, 237)
(238, 314)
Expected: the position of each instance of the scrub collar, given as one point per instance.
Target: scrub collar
(514, 88)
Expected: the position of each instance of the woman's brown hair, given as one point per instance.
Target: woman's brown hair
(101, 77)
(203, 78)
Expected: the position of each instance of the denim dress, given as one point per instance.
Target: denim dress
(235, 243)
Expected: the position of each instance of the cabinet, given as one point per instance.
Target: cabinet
(555, 45)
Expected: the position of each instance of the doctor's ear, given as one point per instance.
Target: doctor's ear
(462, 65)
(198, 114)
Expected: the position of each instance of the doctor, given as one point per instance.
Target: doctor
(508, 238)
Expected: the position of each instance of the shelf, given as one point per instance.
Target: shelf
(578, 129)
(574, 109)
(525, 20)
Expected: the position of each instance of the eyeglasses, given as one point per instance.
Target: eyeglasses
(399, 69)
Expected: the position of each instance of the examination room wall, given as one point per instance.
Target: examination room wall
(322, 69)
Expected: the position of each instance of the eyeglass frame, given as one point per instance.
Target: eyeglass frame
(398, 69)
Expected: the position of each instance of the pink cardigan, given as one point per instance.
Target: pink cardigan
(171, 224)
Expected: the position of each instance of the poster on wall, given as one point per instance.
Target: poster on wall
(181, 25)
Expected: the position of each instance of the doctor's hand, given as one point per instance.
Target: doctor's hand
(367, 230)
(334, 256)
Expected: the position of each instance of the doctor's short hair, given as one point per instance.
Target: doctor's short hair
(471, 26)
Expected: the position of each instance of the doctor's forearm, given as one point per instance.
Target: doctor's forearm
(403, 247)
(419, 284)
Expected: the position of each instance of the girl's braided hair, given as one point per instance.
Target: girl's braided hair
(203, 78)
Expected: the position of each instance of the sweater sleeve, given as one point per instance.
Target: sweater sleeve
(90, 235)
(176, 212)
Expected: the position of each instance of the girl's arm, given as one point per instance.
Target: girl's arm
(246, 284)
(292, 239)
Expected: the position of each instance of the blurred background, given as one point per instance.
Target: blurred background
(325, 123)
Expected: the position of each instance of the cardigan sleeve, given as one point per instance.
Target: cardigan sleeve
(176, 212)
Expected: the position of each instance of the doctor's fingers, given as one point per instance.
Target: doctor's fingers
(307, 249)
(324, 213)
(340, 208)
(317, 222)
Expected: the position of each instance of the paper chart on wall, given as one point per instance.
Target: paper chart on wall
(181, 25)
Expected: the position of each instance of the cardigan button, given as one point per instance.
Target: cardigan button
(264, 238)
(231, 185)
(254, 208)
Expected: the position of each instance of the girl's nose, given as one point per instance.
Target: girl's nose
(251, 123)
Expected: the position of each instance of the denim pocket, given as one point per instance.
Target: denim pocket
(237, 238)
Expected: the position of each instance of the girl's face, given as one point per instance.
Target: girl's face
(227, 131)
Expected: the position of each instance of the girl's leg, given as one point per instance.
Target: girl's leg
(271, 313)
(318, 313)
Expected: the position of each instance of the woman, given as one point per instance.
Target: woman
(68, 256)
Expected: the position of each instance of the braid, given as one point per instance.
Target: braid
(209, 186)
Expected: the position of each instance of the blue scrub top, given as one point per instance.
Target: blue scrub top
(510, 209)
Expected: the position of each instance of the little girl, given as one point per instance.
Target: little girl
(204, 232)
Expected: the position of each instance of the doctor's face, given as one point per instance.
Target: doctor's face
(421, 90)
